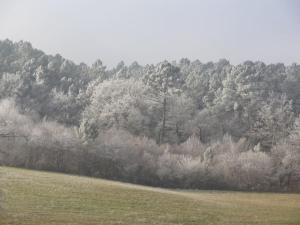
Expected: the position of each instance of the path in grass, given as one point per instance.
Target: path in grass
(40, 198)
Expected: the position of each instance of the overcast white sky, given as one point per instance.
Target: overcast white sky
(153, 30)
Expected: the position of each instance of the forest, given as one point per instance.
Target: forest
(179, 124)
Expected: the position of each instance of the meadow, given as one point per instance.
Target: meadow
(34, 198)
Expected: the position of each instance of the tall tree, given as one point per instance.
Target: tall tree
(274, 121)
(164, 78)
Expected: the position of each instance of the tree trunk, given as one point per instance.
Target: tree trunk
(162, 131)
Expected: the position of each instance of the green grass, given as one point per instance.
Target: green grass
(32, 197)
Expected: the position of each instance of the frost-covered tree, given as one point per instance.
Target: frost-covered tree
(274, 121)
(286, 159)
(291, 86)
(125, 104)
(158, 124)
(179, 118)
(165, 79)
(98, 71)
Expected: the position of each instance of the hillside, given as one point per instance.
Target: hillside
(180, 124)
(32, 197)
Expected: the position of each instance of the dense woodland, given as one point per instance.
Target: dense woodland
(183, 124)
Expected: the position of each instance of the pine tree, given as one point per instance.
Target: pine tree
(165, 78)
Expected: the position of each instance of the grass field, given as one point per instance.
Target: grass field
(32, 197)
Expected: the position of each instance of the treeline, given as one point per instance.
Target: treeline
(180, 124)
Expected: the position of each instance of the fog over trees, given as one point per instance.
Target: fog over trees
(183, 124)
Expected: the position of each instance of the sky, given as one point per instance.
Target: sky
(149, 31)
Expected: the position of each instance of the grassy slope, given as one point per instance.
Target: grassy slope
(33, 197)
